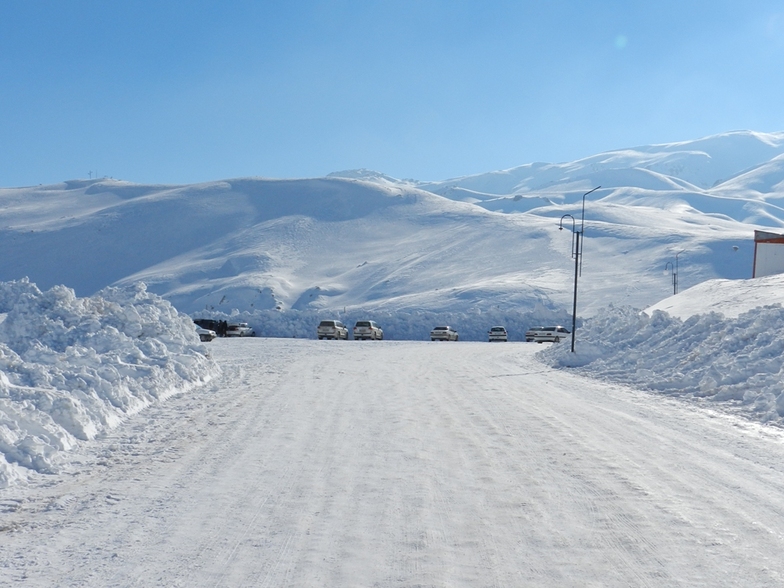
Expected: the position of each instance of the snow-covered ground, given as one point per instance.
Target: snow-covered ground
(728, 297)
(323, 463)
(133, 454)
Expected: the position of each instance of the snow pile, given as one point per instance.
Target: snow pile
(734, 361)
(72, 367)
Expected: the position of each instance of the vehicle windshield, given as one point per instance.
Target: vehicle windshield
(326, 324)
(363, 323)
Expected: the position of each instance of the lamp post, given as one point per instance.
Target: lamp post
(674, 269)
(577, 254)
(671, 267)
(675, 274)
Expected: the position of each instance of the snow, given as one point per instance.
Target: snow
(728, 297)
(406, 463)
(721, 341)
(362, 241)
(72, 368)
(281, 460)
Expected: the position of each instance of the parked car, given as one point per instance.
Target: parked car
(367, 330)
(543, 334)
(497, 334)
(332, 330)
(239, 330)
(213, 325)
(443, 334)
(205, 334)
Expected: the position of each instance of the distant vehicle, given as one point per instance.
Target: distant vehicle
(497, 334)
(239, 330)
(205, 334)
(367, 330)
(443, 334)
(332, 330)
(213, 325)
(544, 334)
(209, 324)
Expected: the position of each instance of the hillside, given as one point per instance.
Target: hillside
(362, 241)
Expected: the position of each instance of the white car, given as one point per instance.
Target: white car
(443, 334)
(239, 330)
(367, 330)
(543, 334)
(205, 334)
(497, 334)
(332, 330)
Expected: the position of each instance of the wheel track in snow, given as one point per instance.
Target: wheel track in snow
(463, 465)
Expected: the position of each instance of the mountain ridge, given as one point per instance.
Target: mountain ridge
(362, 239)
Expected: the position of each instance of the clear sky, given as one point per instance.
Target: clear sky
(186, 91)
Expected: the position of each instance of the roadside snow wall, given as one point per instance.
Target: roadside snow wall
(72, 367)
(399, 325)
(737, 362)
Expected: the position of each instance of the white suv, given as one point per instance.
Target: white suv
(367, 330)
(542, 334)
(443, 334)
(332, 330)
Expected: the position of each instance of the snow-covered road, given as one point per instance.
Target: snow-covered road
(322, 463)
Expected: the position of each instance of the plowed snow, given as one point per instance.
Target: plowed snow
(323, 463)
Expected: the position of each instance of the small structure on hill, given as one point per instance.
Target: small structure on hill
(768, 254)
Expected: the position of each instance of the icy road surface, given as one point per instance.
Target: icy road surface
(334, 464)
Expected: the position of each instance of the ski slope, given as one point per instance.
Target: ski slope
(316, 463)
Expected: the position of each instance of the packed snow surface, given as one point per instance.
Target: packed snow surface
(406, 463)
(72, 368)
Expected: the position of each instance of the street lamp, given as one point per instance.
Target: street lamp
(674, 269)
(675, 274)
(577, 254)
(671, 267)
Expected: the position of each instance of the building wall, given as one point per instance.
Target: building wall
(768, 254)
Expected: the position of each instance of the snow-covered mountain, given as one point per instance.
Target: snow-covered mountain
(362, 240)
(356, 243)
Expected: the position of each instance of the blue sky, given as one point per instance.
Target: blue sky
(176, 92)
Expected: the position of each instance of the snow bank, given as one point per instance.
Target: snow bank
(729, 297)
(398, 325)
(72, 367)
(731, 361)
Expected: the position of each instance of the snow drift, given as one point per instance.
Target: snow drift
(734, 362)
(73, 367)
(401, 325)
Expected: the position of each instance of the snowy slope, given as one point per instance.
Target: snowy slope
(727, 297)
(700, 164)
(475, 249)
